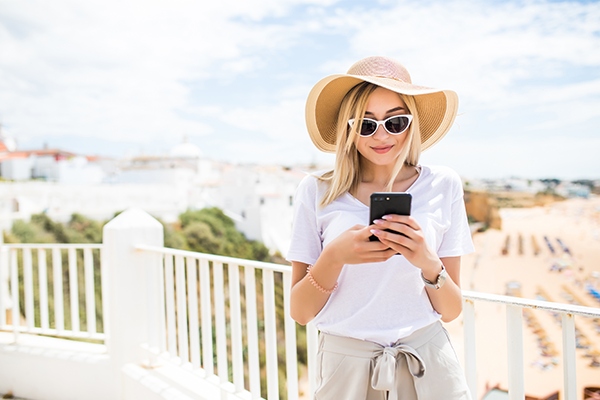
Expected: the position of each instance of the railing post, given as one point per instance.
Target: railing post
(312, 345)
(133, 287)
(5, 294)
(569, 361)
(514, 319)
(470, 346)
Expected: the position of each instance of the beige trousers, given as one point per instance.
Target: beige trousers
(422, 366)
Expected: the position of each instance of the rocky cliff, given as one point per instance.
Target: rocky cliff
(482, 207)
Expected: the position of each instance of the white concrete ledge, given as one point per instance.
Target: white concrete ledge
(167, 380)
(43, 368)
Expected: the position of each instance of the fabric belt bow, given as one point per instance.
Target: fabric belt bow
(385, 366)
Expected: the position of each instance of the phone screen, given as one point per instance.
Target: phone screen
(383, 203)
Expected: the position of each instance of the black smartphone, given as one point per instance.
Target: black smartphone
(388, 203)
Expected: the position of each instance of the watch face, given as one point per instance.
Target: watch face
(442, 278)
(439, 281)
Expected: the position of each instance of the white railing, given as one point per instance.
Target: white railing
(216, 319)
(515, 308)
(227, 300)
(37, 275)
(208, 296)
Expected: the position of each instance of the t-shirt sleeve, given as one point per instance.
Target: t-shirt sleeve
(306, 242)
(457, 240)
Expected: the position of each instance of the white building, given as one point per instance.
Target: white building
(570, 189)
(52, 165)
(258, 198)
(183, 164)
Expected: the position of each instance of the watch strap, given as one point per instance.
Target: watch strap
(439, 281)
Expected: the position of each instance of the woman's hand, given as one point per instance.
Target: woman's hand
(351, 247)
(408, 239)
(410, 242)
(354, 247)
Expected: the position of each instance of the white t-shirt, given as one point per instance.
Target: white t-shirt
(385, 301)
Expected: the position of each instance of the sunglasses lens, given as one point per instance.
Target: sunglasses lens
(394, 125)
(397, 124)
(368, 127)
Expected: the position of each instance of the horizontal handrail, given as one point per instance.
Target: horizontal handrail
(51, 245)
(467, 294)
(212, 257)
(531, 303)
(66, 333)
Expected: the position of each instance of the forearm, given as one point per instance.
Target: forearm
(447, 300)
(308, 298)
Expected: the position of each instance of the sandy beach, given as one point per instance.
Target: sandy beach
(548, 253)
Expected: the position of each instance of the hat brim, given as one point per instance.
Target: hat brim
(436, 108)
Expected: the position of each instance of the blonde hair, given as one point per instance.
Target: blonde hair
(347, 172)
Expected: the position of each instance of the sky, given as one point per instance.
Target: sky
(122, 78)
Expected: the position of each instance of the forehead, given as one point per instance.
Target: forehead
(383, 99)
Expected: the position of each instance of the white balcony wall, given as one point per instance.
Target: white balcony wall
(44, 368)
(39, 358)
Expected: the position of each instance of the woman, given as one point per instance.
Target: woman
(378, 304)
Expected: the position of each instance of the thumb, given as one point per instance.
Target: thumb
(363, 232)
(357, 227)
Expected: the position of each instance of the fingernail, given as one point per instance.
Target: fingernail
(378, 222)
(375, 231)
(385, 217)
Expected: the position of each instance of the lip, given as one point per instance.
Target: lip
(382, 149)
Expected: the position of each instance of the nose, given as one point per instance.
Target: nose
(380, 132)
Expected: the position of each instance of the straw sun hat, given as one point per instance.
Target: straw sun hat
(436, 108)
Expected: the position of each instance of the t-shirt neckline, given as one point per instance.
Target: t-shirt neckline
(408, 190)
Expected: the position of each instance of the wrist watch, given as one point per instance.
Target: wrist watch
(439, 281)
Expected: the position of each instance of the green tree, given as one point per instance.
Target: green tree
(56, 229)
(24, 232)
(200, 238)
(211, 231)
(81, 229)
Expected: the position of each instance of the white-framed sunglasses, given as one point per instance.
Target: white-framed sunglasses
(393, 125)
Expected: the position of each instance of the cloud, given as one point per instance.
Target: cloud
(495, 46)
(123, 69)
(527, 74)
(153, 71)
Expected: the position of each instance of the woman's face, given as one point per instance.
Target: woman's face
(383, 148)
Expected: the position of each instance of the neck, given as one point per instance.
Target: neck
(379, 175)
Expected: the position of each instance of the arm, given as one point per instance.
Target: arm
(447, 300)
(306, 299)
(351, 247)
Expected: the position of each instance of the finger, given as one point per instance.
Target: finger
(396, 245)
(375, 246)
(403, 219)
(397, 228)
(380, 255)
(366, 233)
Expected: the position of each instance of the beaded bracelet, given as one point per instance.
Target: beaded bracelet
(316, 284)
